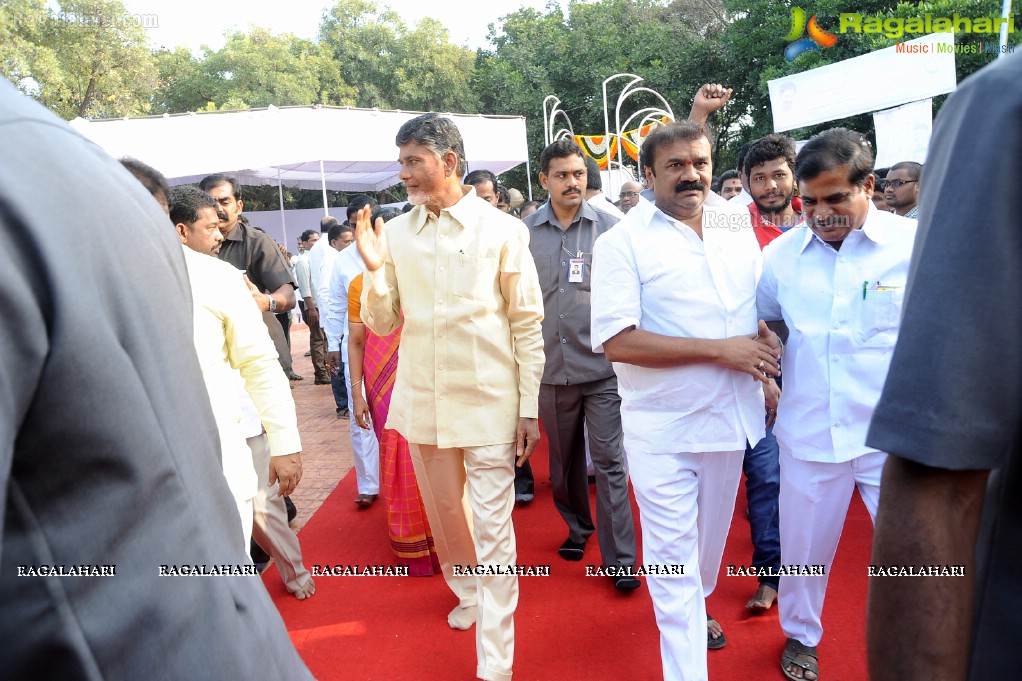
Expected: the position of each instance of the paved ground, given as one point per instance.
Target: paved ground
(326, 453)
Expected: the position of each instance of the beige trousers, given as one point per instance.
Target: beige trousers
(488, 470)
(269, 521)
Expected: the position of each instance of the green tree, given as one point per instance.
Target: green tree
(104, 67)
(24, 59)
(253, 69)
(391, 67)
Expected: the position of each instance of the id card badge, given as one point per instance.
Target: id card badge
(575, 268)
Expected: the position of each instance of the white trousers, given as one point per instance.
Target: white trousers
(487, 538)
(363, 445)
(686, 502)
(814, 502)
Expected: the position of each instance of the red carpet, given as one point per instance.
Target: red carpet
(568, 626)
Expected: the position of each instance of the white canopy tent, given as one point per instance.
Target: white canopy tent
(311, 147)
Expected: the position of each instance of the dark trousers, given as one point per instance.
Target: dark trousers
(525, 482)
(564, 409)
(280, 341)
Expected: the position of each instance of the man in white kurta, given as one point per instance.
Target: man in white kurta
(839, 287)
(337, 275)
(673, 306)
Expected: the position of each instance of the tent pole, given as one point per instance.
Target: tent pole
(528, 177)
(322, 178)
(280, 192)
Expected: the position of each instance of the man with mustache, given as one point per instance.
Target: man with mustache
(254, 253)
(674, 308)
(839, 287)
(578, 384)
(730, 184)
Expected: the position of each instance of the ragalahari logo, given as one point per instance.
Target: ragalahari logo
(817, 36)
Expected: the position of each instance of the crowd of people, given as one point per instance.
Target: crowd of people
(695, 329)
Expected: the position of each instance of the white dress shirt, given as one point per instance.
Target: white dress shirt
(657, 275)
(328, 319)
(843, 310)
(344, 267)
(314, 257)
(303, 275)
(743, 199)
(602, 202)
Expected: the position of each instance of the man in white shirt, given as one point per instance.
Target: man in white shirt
(302, 268)
(335, 279)
(838, 286)
(673, 307)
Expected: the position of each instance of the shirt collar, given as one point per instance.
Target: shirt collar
(873, 229)
(546, 214)
(238, 233)
(462, 211)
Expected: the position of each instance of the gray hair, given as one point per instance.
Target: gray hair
(436, 133)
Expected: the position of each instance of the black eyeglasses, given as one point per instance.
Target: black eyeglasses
(897, 183)
(630, 195)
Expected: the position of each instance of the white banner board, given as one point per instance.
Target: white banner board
(908, 72)
(903, 133)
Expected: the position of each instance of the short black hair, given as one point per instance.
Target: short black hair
(662, 136)
(337, 230)
(358, 203)
(503, 195)
(731, 174)
(562, 148)
(768, 148)
(593, 180)
(151, 178)
(213, 181)
(480, 176)
(307, 234)
(185, 203)
(832, 149)
(913, 169)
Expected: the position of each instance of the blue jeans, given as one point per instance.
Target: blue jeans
(762, 488)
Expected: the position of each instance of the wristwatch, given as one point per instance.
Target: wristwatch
(273, 304)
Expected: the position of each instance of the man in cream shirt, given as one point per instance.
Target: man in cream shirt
(230, 337)
(467, 386)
